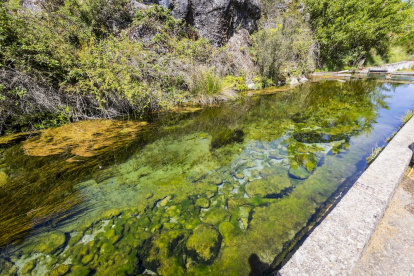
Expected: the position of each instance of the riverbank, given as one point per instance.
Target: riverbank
(392, 69)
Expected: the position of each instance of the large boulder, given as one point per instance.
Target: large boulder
(216, 20)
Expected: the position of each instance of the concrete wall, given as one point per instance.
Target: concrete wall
(393, 67)
(336, 245)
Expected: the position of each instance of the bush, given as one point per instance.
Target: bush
(100, 58)
(396, 54)
(347, 30)
(286, 50)
(206, 82)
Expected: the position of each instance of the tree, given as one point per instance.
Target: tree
(347, 29)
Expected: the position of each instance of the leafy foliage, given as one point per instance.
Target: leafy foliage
(286, 49)
(347, 30)
(101, 58)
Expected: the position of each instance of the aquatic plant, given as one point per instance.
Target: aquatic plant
(374, 154)
(407, 116)
(49, 166)
(84, 139)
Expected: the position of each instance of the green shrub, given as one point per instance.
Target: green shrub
(237, 83)
(347, 30)
(396, 54)
(374, 59)
(206, 82)
(287, 49)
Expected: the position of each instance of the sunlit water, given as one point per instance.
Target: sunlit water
(220, 191)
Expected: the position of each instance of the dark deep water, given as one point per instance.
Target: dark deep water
(216, 191)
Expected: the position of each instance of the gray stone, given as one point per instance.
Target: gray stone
(34, 6)
(293, 81)
(217, 20)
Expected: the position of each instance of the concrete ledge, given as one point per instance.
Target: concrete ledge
(336, 245)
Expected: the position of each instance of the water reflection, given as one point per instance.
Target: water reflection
(218, 191)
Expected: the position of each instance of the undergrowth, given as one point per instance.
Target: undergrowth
(100, 59)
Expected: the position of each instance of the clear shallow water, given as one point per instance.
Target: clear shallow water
(218, 191)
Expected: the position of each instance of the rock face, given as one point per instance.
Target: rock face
(204, 244)
(216, 20)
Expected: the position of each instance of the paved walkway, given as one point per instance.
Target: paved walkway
(391, 249)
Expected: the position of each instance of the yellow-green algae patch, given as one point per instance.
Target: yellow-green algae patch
(85, 138)
(3, 178)
(50, 177)
(12, 138)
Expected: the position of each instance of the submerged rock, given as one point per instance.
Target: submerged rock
(204, 244)
(7, 268)
(276, 155)
(271, 185)
(227, 136)
(228, 231)
(60, 270)
(28, 267)
(267, 171)
(203, 202)
(165, 201)
(215, 216)
(51, 243)
(299, 173)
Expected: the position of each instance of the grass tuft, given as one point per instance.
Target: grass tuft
(408, 115)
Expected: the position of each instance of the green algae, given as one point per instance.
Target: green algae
(271, 185)
(203, 202)
(3, 178)
(299, 173)
(215, 216)
(204, 244)
(182, 206)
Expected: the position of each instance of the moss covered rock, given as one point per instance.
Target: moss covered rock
(59, 271)
(215, 216)
(165, 201)
(239, 175)
(267, 171)
(7, 268)
(299, 173)
(203, 202)
(80, 271)
(204, 244)
(276, 155)
(28, 267)
(228, 232)
(51, 243)
(268, 186)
